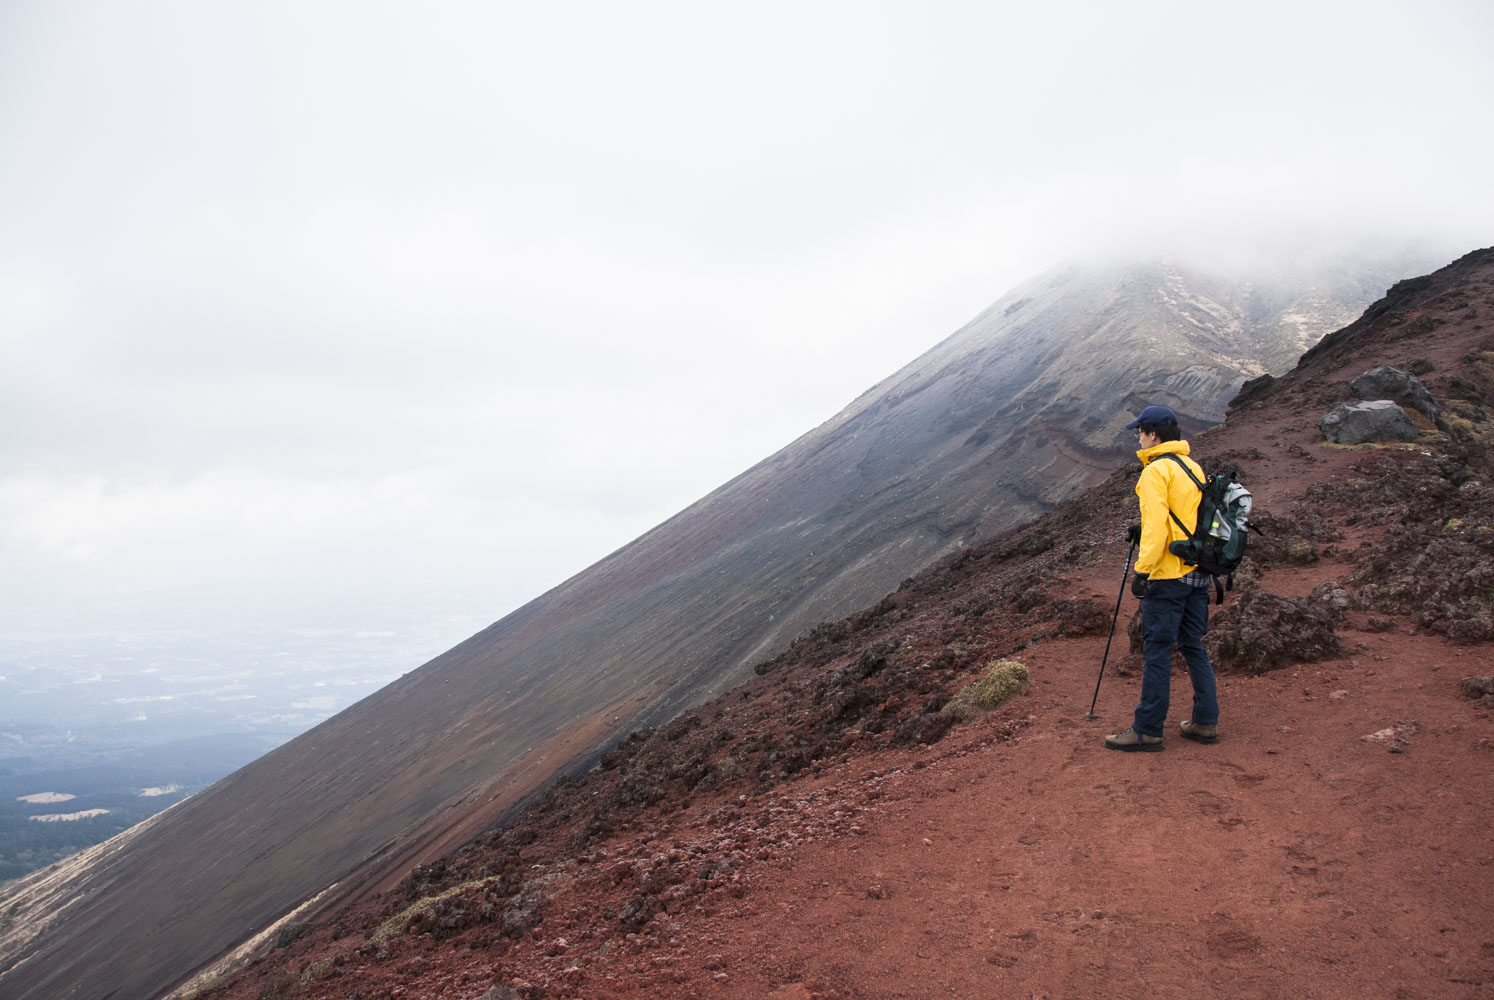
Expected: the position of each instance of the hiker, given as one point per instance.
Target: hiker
(1174, 595)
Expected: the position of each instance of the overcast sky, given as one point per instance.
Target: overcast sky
(331, 312)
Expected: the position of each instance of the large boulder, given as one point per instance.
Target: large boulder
(1399, 386)
(1374, 420)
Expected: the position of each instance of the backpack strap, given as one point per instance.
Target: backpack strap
(1184, 466)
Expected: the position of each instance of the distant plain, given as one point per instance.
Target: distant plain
(100, 730)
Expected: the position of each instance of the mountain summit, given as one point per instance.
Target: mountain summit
(1013, 414)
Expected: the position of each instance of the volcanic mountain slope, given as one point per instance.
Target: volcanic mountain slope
(832, 829)
(1010, 415)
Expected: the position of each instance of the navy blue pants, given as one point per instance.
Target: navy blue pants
(1173, 614)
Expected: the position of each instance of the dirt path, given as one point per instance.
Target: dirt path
(1294, 858)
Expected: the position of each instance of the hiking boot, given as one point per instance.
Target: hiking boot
(1132, 740)
(1200, 734)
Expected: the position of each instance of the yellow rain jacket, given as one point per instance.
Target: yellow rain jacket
(1162, 486)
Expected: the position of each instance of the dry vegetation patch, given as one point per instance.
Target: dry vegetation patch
(1004, 679)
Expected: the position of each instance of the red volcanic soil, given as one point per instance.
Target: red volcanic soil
(828, 831)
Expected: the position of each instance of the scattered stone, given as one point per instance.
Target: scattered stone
(522, 914)
(1397, 734)
(1332, 598)
(1477, 687)
(1376, 420)
(876, 891)
(638, 911)
(1473, 628)
(793, 991)
(501, 993)
(1397, 385)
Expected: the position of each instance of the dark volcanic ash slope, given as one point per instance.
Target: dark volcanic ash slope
(829, 830)
(1009, 416)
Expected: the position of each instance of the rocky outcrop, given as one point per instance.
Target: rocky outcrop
(1372, 421)
(1259, 631)
(1398, 386)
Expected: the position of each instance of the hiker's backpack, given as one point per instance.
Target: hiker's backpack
(1217, 542)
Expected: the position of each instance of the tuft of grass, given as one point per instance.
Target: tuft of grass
(1004, 679)
(278, 986)
(315, 970)
(1300, 550)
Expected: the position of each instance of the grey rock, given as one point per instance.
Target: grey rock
(1477, 687)
(1332, 598)
(501, 993)
(1397, 385)
(1375, 420)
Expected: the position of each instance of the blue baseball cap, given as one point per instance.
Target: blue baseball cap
(1153, 415)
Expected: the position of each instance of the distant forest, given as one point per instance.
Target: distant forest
(27, 845)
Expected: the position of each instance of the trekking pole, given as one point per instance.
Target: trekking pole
(1124, 573)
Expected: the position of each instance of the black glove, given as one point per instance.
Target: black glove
(1133, 534)
(1138, 584)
